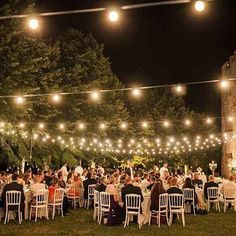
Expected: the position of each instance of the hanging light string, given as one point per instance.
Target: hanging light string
(101, 9)
(121, 89)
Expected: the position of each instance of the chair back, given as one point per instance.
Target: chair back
(163, 201)
(188, 194)
(133, 202)
(105, 200)
(70, 190)
(176, 201)
(91, 190)
(229, 193)
(96, 198)
(41, 197)
(212, 193)
(58, 196)
(13, 198)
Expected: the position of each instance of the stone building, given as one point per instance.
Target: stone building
(228, 109)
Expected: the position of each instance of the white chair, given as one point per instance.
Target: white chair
(90, 195)
(213, 197)
(57, 202)
(163, 209)
(176, 206)
(13, 199)
(70, 192)
(41, 203)
(229, 196)
(132, 207)
(105, 204)
(96, 205)
(189, 198)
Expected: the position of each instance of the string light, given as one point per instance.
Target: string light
(56, 98)
(21, 125)
(230, 119)
(187, 122)
(102, 126)
(199, 6)
(136, 92)
(123, 126)
(2, 124)
(209, 121)
(61, 126)
(95, 96)
(81, 126)
(144, 124)
(33, 23)
(19, 100)
(113, 16)
(166, 124)
(224, 84)
(41, 126)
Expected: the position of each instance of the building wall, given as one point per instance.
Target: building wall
(228, 108)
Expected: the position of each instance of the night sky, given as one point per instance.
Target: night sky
(158, 45)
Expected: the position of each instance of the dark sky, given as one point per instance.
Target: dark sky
(159, 45)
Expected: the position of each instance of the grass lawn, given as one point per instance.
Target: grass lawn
(80, 222)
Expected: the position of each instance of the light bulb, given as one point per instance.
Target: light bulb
(33, 23)
(199, 6)
(136, 92)
(113, 16)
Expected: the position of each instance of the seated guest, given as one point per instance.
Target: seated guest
(188, 184)
(145, 182)
(28, 177)
(136, 180)
(51, 189)
(101, 185)
(21, 179)
(77, 182)
(47, 177)
(152, 182)
(70, 178)
(156, 191)
(130, 189)
(229, 184)
(174, 189)
(37, 185)
(209, 184)
(86, 183)
(61, 182)
(197, 181)
(16, 187)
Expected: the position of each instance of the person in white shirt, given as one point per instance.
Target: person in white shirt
(36, 186)
(64, 172)
(163, 170)
(79, 170)
(145, 182)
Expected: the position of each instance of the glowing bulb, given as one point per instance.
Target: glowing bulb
(61, 126)
(199, 6)
(144, 124)
(2, 124)
(166, 124)
(56, 98)
(33, 23)
(102, 126)
(95, 96)
(21, 125)
(136, 92)
(113, 16)
(81, 126)
(230, 119)
(209, 121)
(224, 84)
(179, 89)
(19, 100)
(41, 126)
(123, 126)
(187, 122)
(35, 136)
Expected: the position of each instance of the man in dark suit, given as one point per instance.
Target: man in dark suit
(211, 183)
(130, 189)
(13, 186)
(101, 185)
(86, 183)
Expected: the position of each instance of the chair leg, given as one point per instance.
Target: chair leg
(159, 219)
(53, 212)
(47, 213)
(30, 213)
(167, 216)
(100, 218)
(218, 203)
(36, 214)
(171, 218)
(6, 216)
(19, 218)
(88, 204)
(62, 214)
(125, 220)
(194, 212)
(183, 219)
(208, 206)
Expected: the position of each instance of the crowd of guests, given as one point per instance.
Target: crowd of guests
(117, 182)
